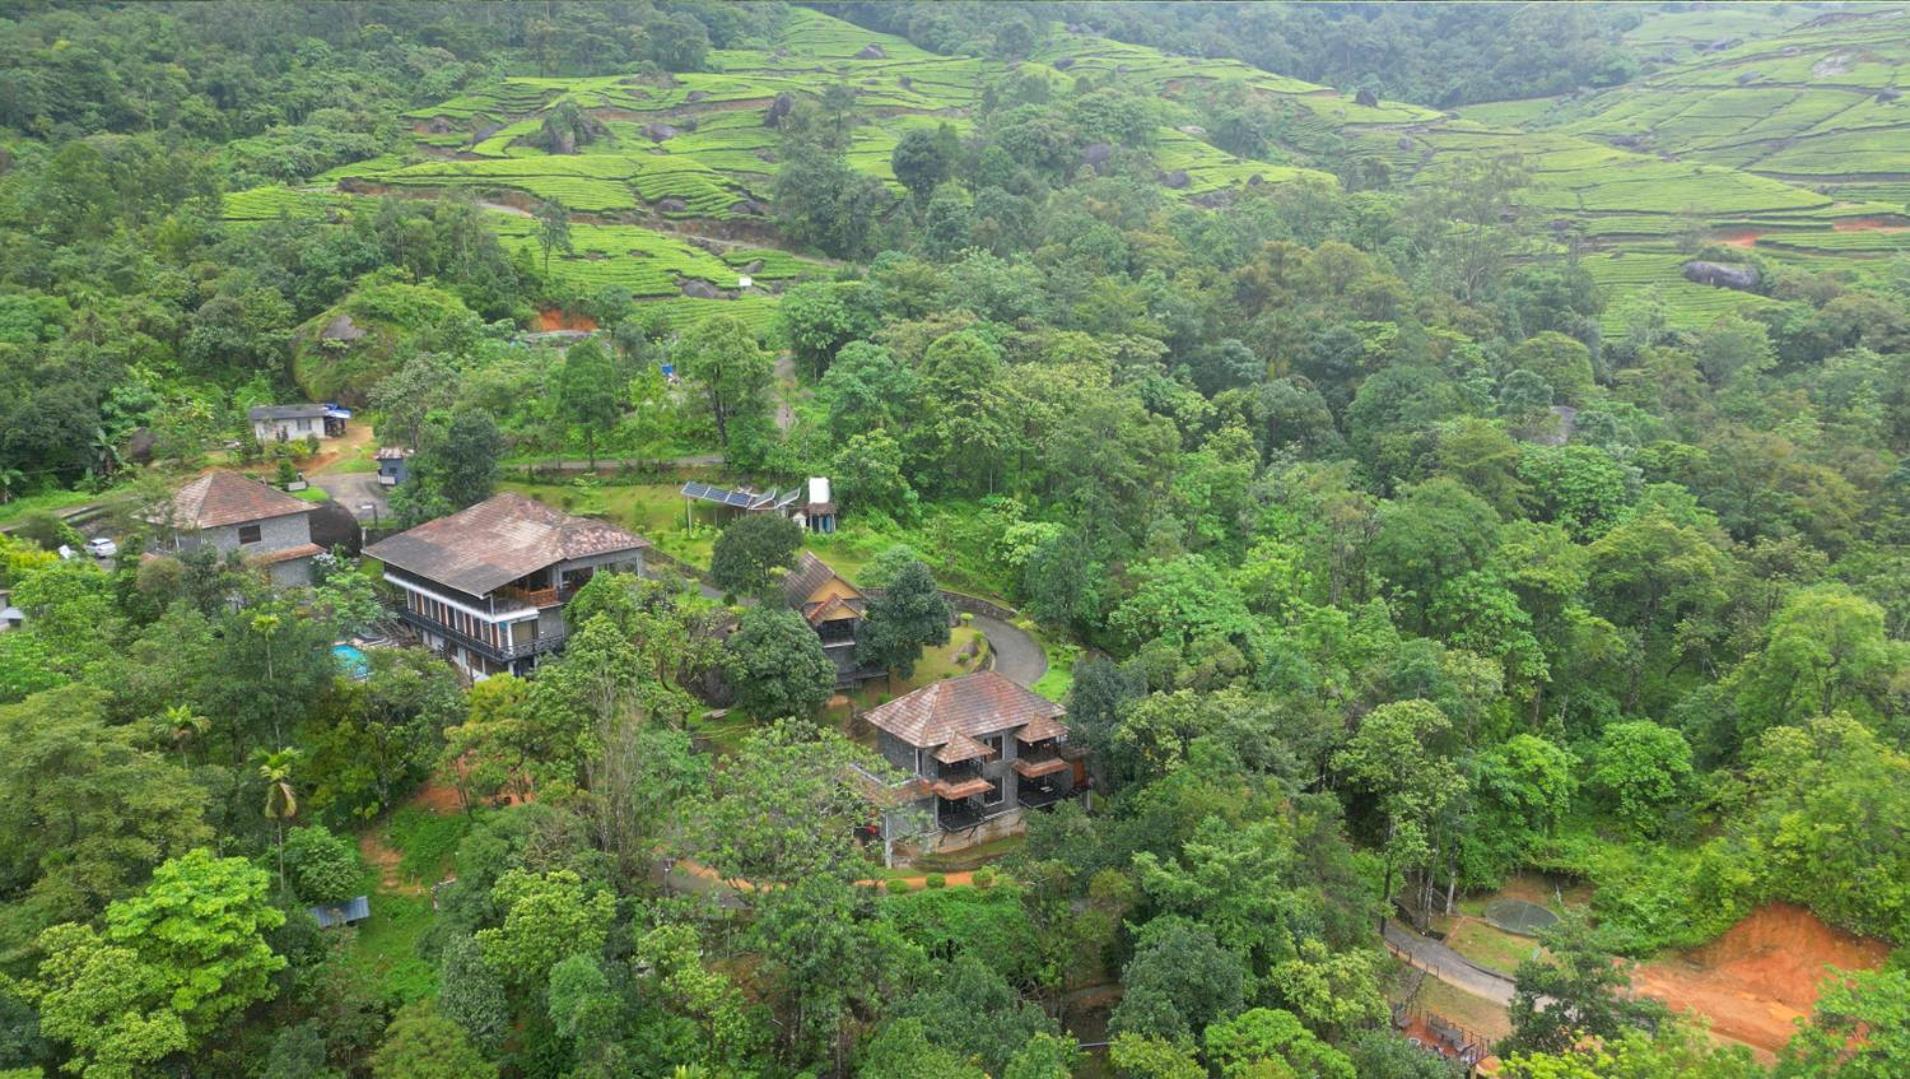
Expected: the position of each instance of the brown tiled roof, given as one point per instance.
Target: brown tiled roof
(288, 554)
(962, 748)
(956, 791)
(808, 576)
(972, 705)
(1035, 769)
(221, 498)
(1041, 729)
(497, 541)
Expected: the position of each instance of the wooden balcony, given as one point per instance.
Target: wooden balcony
(540, 598)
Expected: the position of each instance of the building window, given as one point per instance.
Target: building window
(248, 534)
(994, 795)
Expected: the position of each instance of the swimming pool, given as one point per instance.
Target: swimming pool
(352, 661)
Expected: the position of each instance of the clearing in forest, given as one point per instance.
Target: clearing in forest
(1754, 982)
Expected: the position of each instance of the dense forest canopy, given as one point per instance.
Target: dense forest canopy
(1444, 464)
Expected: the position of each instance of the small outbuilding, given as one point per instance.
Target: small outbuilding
(394, 464)
(283, 423)
(350, 912)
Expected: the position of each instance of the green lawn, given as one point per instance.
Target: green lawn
(386, 946)
(46, 503)
(1490, 947)
(1062, 655)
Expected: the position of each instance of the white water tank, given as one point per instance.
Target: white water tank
(818, 489)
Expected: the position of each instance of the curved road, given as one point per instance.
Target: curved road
(1018, 656)
(1447, 965)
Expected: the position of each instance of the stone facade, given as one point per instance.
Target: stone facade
(273, 534)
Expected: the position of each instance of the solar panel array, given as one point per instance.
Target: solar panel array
(719, 495)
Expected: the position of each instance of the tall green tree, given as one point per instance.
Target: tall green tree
(909, 616)
(552, 229)
(750, 550)
(722, 362)
(1576, 990)
(421, 1044)
(587, 393)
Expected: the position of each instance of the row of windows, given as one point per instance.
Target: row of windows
(446, 615)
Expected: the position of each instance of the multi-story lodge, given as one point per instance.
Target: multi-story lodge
(486, 586)
(835, 609)
(981, 750)
(270, 530)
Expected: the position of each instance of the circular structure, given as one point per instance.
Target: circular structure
(1518, 916)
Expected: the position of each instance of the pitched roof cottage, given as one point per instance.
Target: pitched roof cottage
(834, 608)
(269, 528)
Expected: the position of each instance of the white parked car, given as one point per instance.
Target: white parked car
(102, 547)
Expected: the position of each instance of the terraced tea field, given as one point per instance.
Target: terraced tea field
(1777, 135)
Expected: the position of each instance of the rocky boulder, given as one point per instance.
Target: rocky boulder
(872, 51)
(1722, 275)
(1367, 98)
(341, 328)
(778, 109)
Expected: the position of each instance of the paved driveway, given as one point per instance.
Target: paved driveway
(354, 490)
(1018, 656)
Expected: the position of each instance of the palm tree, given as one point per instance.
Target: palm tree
(281, 801)
(179, 726)
(105, 450)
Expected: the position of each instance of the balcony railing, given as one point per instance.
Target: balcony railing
(539, 598)
(1033, 797)
(547, 640)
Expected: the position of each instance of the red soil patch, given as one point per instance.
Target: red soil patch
(1757, 979)
(1739, 238)
(552, 319)
(1870, 224)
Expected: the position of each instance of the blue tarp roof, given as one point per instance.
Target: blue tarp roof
(348, 913)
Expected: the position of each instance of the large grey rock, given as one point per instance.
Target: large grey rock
(785, 102)
(1096, 154)
(660, 132)
(1722, 275)
(700, 289)
(672, 205)
(872, 51)
(1177, 179)
(341, 328)
(1366, 97)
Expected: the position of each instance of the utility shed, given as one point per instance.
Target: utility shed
(350, 912)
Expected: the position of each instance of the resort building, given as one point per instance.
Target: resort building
(981, 750)
(487, 585)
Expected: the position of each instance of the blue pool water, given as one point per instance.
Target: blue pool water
(352, 661)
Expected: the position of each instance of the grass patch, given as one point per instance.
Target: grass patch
(723, 734)
(386, 946)
(47, 502)
(1489, 947)
(428, 841)
(313, 493)
(1062, 657)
